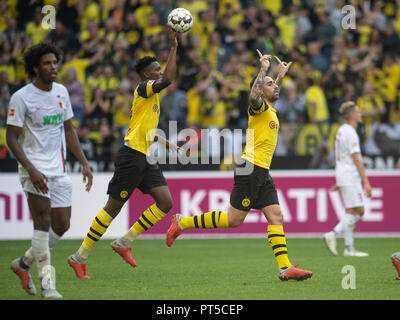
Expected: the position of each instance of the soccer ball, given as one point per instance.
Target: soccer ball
(180, 20)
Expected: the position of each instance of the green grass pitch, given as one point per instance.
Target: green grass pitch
(212, 269)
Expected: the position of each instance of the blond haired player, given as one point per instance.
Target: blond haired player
(350, 180)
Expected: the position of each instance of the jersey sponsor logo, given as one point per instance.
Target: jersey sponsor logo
(273, 125)
(53, 119)
(156, 109)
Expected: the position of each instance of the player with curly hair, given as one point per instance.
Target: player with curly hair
(39, 129)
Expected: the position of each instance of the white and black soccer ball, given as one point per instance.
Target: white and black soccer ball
(180, 19)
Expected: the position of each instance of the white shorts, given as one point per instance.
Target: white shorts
(60, 190)
(352, 196)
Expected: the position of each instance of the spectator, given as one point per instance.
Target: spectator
(11, 32)
(63, 38)
(26, 11)
(154, 28)
(110, 84)
(212, 109)
(391, 40)
(371, 105)
(323, 158)
(6, 90)
(34, 29)
(303, 24)
(98, 110)
(121, 108)
(104, 150)
(349, 94)
(316, 106)
(290, 106)
(88, 145)
(317, 59)
(332, 82)
(325, 31)
(174, 106)
(8, 60)
(77, 96)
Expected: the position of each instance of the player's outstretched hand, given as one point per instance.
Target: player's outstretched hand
(264, 60)
(172, 36)
(87, 177)
(283, 67)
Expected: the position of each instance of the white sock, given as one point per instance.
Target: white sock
(349, 226)
(53, 239)
(40, 249)
(339, 228)
(28, 257)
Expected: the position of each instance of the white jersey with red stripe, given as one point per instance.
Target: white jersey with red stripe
(347, 142)
(41, 115)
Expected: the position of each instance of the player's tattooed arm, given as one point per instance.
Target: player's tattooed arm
(257, 88)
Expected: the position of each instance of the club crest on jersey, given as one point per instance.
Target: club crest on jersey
(123, 194)
(245, 202)
(60, 102)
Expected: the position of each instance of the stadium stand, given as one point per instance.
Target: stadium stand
(101, 40)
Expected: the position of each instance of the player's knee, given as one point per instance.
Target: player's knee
(61, 228)
(166, 205)
(235, 222)
(276, 218)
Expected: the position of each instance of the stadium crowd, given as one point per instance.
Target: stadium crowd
(101, 41)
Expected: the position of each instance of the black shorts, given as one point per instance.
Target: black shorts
(133, 171)
(255, 190)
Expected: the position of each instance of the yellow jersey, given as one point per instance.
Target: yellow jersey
(262, 136)
(144, 119)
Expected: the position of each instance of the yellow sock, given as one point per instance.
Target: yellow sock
(209, 220)
(148, 219)
(97, 229)
(277, 241)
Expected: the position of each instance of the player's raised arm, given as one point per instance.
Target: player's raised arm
(257, 87)
(170, 68)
